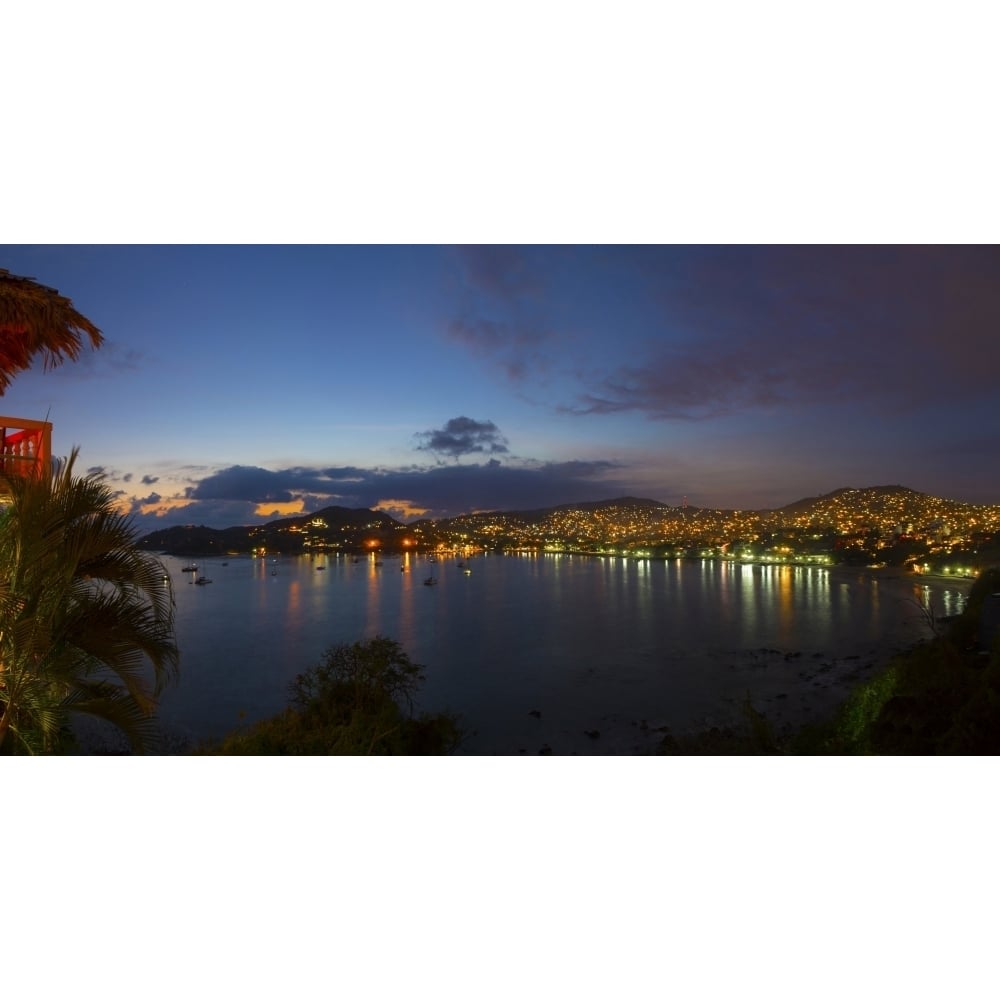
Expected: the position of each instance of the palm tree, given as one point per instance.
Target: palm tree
(37, 320)
(86, 618)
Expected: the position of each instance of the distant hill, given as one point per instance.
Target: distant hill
(870, 496)
(589, 506)
(349, 528)
(632, 519)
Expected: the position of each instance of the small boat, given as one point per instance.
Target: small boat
(202, 580)
(430, 582)
(190, 568)
(321, 566)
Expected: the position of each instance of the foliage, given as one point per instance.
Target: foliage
(939, 697)
(83, 614)
(37, 321)
(357, 700)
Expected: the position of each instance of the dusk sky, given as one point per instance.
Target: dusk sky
(240, 383)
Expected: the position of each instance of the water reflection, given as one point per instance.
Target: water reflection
(575, 635)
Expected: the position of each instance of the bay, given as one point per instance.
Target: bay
(548, 653)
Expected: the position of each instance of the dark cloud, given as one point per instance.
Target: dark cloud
(149, 480)
(464, 436)
(746, 328)
(502, 316)
(245, 483)
(127, 478)
(442, 490)
(500, 271)
(516, 350)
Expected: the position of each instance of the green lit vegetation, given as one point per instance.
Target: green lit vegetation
(939, 697)
(357, 700)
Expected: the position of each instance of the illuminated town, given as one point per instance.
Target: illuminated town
(877, 526)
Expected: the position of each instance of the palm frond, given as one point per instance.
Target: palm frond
(105, 700)
(36, 320)
(85, 617)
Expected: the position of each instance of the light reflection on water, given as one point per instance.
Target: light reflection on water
(591, 643)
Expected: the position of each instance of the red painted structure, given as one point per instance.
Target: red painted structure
(25, 449)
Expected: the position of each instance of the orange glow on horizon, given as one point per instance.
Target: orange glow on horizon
(280, 508)
(404, 507)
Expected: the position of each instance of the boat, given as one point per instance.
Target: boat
(321, 566)
(430, 582)
(190, 568)
(202, 580)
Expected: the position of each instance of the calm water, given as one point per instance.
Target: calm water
(617, 646)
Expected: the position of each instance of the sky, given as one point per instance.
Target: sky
(241, 383)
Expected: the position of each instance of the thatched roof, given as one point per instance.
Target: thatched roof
(36, 320)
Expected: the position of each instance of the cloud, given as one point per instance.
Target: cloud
(503, 272)
(249, 483)
(464, 436)
(149, 480)
(239, 494)
(746, 328)
(516, 350)
(501, 317)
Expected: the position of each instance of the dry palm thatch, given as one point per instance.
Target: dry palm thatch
(36, 320)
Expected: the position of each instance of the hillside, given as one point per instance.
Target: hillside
(873, 524)
(346, 528)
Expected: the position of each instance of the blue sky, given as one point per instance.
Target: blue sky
(237, 383)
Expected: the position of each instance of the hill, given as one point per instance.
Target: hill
(873, 524)
(348, 528)
(870, 497)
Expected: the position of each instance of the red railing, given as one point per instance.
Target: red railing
(26, 447)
